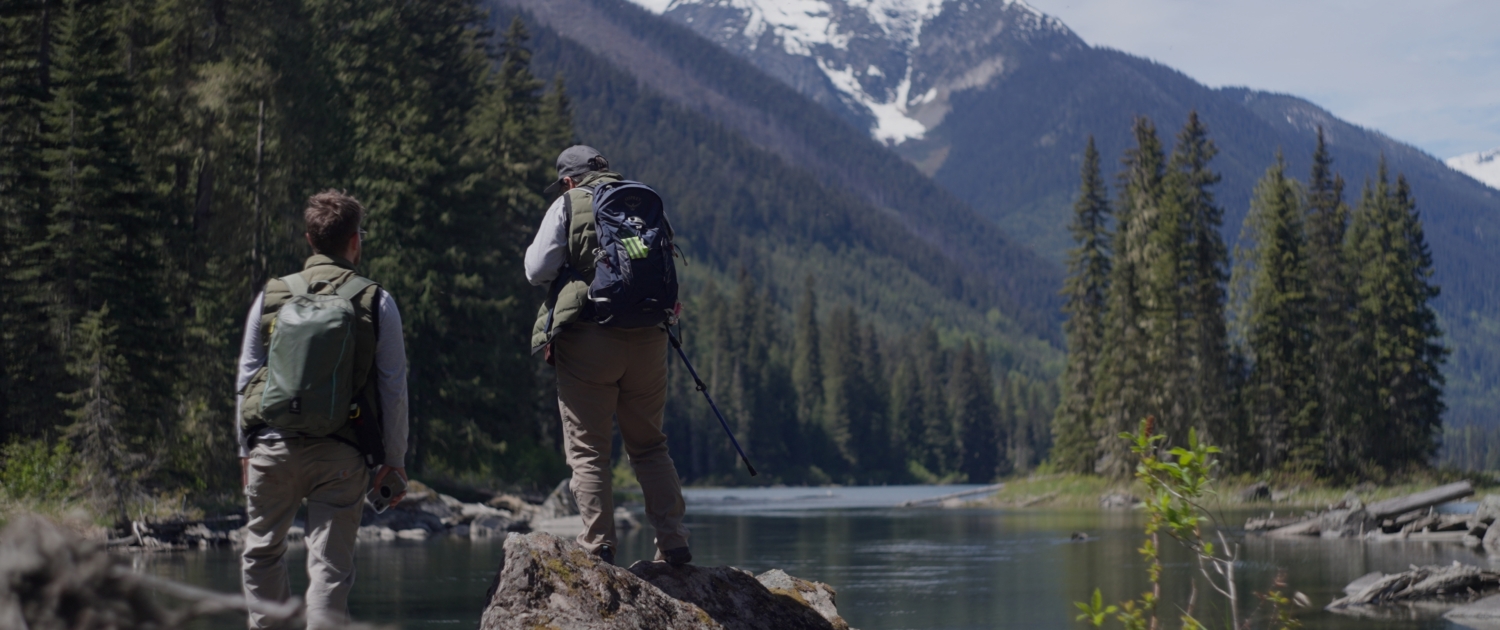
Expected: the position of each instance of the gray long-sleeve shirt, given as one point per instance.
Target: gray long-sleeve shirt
(389, 372)
(548, 252)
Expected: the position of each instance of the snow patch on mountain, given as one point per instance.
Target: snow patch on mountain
(823, 29)
(1483, 166)
(891, 121)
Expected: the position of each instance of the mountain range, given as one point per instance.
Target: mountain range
(1481, 165)
(993, 102)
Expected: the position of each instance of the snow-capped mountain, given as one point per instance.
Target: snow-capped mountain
(890, 66)
(1483, 166)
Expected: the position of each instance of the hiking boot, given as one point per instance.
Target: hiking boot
(677, 557)
(606, 554)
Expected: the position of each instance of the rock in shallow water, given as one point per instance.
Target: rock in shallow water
(545, 581)
(734, 598)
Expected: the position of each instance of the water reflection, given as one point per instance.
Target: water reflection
(893, 568)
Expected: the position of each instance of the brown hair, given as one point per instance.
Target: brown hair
(332, 217)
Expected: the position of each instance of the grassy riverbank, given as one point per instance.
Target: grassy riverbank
(1287, 490)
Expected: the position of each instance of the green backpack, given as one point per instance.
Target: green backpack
(309, 371)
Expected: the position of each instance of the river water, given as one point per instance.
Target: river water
(894, 568)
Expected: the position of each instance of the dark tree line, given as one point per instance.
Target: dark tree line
(1321, 353)
(827, 398)
(154, 157)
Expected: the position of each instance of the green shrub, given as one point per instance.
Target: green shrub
(32, 469)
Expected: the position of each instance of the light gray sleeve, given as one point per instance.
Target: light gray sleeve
(549, 250)
(252, 356)
(390, 369)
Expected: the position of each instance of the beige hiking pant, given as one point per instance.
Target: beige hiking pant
(332, 477)
(603, 372)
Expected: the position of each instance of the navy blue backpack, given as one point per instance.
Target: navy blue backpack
(635, 278)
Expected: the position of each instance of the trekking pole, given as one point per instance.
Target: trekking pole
(704, 388)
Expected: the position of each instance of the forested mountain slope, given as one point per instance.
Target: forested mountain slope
(981, 267)
(855, 322)
(1006, 97)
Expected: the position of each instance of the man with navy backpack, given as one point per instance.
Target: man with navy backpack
(605, 249)
(321, 399)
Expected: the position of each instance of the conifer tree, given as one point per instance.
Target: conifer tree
(1281, 393)
(29, 357)
(873, 432)
(938, 450)
(841, 385)
(1205, 379)
(1125, 384)
(1397, 338)
(906, 413)
(1333, 300)
(1085, 290)
(101, 245)
(807, 366)
(107, 447)
(971, 398)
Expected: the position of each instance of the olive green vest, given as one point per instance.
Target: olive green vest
(334, 271)
(567, 305)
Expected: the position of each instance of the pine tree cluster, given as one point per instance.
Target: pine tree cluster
(154, 158)
(1321, 353)
(827, 398)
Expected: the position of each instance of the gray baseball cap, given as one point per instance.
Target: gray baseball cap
(574, 161)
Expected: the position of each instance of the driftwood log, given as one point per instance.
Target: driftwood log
(51, 579)
(1419, 501)
(1403, 518)
(1454, 583)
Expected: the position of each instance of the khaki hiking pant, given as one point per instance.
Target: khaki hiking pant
(332, 477)
(602, 373)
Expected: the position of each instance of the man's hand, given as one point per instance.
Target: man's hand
(244, 472)
(380, 476)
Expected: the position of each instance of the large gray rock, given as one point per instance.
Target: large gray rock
(734, 598)
(548, 582)
(1118, 501)
(816, 595)
(560, 503)
(1491, 540)
(1484, 613)
(1488, 509)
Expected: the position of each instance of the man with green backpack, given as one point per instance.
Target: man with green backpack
(321, 399)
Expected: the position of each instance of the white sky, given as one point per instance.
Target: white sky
(1425, 72)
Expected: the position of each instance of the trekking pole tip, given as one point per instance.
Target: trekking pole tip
(748, 466)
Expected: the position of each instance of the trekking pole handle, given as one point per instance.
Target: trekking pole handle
(677, 345)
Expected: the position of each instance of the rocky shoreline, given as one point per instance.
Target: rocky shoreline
(50, 578)
(425, 513)
(547, 582)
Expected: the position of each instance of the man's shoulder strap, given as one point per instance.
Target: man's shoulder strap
(354, 286)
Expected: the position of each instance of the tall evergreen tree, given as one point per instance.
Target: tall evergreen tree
(971, 397)
(107, 446)
(1397, 338)
(1205, 270)
(1281, 393)
(873, 432)
(841, 385)
(1333, 300)
(938, 445)
(807, 367)
(29, 356)
(1125, 384)
(102, 245)
(1086, 288)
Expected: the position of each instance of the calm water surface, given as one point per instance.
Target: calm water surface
(894, 568)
